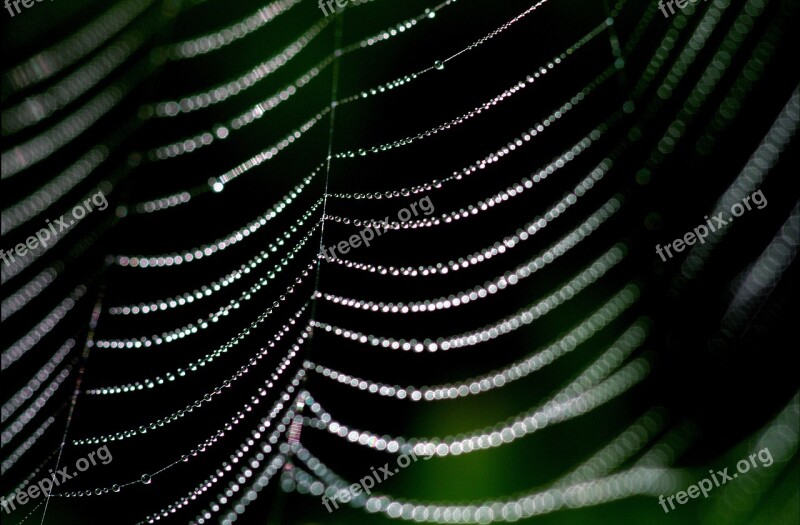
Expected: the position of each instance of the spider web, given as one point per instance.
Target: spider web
(515, 332)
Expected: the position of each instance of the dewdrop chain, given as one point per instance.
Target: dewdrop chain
(208, 250)
(218, 183)
(203, 446)
(208, 397)
(527, 183)
(32, 386)
(593, 388)
(94, 320)
(36, 406)
(17, 350)
(503, 282)
(246, 472)
(160, 305)
(206, 360)
(201, 45)
(14, 456)
(603, 462)
(41, 106)
(521, 235)
(222, 131)
(42, 146)
(588, 484)
(191, 329)
(40, 200)
(606, 314)
(258, 73)
(507, 94)
(53, 60)
(220, 93)
(525, 316)
(512, 146)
